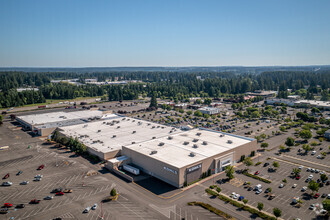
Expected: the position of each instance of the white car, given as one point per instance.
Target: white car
(308, 169)
(328, 196)
(24, 183)
(259, 191)
(312, 207)
(304, 189)
(39, 176)
(294, 186)
(319, 157)
(312, 170)
(310, 176)
(48, 198)
(281, 185)
(301, 167)
(87, 209)
(37, 179)
(313, 152)
(94, 206)
(7, 183)
(317, 171)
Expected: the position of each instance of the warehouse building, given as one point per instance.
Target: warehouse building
(45, 124)
(105, 139)
(182, 158)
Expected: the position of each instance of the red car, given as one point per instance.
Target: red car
(41, 167)
(317, 195)
(7, 205)
(60, 193)
(298, 177)
(256, 173)
(6, 176)
(35, 201)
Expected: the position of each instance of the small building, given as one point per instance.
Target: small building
(263, 93)
(181, 105)
(209, 110)
(327, 134)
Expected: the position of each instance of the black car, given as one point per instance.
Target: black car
(4, 211)
(324, 195)
(19, 173)
(57, 190)
(20, 206)
(266, 164)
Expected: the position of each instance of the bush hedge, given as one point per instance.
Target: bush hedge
(257, 177)
(212, 209)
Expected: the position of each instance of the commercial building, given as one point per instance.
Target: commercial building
(45, 124)
(182, 158)
(105, 139)
(262, 93)
(209, 110)
(300, 103)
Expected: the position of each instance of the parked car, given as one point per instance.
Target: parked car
(324, 195)
(37, 179)
(35, 201)
(7, 183)
(294, 186)
(257, 172)
(86, 210)
(259, 191)
(317, 195)
(312, 207)
(39, 176)
(281, 185)
(20, 206)
(57, 190)
(240, 198)
(7, 205)
(68, 191)
(4, 211)
(59, 193)
(94, 206)
(19, 173)
(266, 164)
(298, 177)
(41, 167)
(48, 198)
(310, 176)
(24, 183)
(6, 176)
(304, 189)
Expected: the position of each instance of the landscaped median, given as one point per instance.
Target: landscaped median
(212, 209)
(241, 205)
(256, 177)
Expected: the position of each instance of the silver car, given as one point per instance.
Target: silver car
(24, 183)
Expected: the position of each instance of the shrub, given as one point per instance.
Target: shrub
(211, 192)
(218, 189)
(258, 163)
(113, 192)
(212, 209)
(256, 177)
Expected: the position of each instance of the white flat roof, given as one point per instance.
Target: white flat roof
(176, 151)
(105, 136)
(39, 119)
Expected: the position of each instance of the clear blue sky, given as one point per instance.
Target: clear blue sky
(79, 33)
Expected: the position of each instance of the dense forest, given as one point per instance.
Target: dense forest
(174, 85)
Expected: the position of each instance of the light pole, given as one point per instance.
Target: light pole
(83, 180)
(56, 160)
(101, 210)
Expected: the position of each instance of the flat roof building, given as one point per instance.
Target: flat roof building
(182, 158)
(209, 110)
(105, 139)
(44, 124)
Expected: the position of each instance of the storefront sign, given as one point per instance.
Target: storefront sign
(194, 168)
(170, 170)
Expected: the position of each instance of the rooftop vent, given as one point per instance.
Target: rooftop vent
(195, 140)
(118, 126)
(170, 131)
(204, 143)
(133, 121)
(114, 136)
(128, 119)
(161, 144)
(158, 126)
(85, 126)
(153, 126)
(133, 142)
(195, 146)
(104, 122)
(222, 135)
(98, 131)
(148, 124)
(229, 141)
(153, 137)
(123, 119)
(185, 143)
(170, 137)
(133, 132)
(199, 134)
(153, 152)
(192, 154)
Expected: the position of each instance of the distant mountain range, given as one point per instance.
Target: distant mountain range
(195, 69)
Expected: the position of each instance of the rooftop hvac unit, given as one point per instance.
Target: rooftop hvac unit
(195, 140)
(158, 126)
(133, 142)
(85, 126)
(133, 121)
(153, 137)
(192, 154)
(153, 152)
(170, 137)
(118, 126)
(185, 143)
(204, 143)
(133, 132)
(229, 141)
(114, 136)
(128, 119)
(123, 119)
(222, 135)
(161, 144)
(199, 134)
(171, 131)
(104, 122)
(153, 126)
(195, 146)
(148, 124)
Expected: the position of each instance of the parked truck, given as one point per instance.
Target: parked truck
(131, 169)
